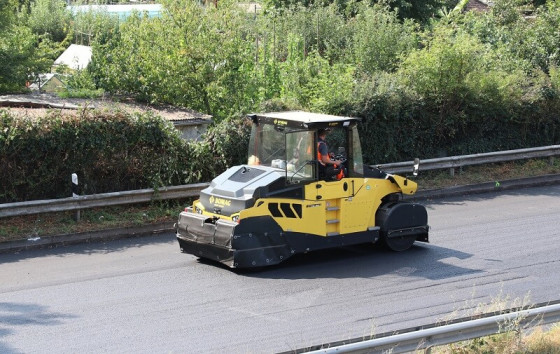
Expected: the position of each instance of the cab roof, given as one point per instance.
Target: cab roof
(303, 120)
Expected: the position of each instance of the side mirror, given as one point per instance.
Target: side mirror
(416, 166)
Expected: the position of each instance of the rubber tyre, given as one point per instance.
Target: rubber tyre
(399, 244)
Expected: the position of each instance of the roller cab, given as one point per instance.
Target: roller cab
(282, 202)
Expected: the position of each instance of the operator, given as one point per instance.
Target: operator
(327, 168)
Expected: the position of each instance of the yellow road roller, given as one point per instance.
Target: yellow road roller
(287, 199)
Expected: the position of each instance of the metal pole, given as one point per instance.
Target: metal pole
(75, 194)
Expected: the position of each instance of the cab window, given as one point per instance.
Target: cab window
(300, 158)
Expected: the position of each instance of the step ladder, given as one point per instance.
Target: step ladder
(333, 217)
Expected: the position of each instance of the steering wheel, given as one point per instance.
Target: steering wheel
(341, 157)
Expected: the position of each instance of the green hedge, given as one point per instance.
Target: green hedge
(120, 151)
(400, 128)
(108, 151)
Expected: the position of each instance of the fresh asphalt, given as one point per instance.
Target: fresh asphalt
(488, 251)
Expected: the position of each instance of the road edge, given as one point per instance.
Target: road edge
(84, 237)
(165, 227)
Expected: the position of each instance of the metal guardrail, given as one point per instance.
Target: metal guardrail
(453, 162)
(192, 190)
(456, 332)
(100, 200)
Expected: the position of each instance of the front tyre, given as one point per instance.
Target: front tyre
(401, 224)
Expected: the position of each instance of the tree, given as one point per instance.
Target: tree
(50, 18)
(192, 56)
(94, 24)
(419, 10)
(312, 82)
(17, 49)
(380, 39)
(455, 70)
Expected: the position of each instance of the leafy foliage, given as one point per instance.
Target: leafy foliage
(191, 56)
(50, 18)
(19, 53)
(88, 26)
(420, 10)
(380, 39)
(108, 151)
(426, 81)
(314, 83)
(455, 70)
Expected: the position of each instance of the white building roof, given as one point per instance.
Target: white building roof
(75, 57)
(123, 11)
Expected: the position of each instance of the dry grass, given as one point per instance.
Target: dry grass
(536, 341)
(544, 342)
(487, 173)
(516, 338)
(22, 227)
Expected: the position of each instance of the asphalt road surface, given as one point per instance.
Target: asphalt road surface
(142, 295)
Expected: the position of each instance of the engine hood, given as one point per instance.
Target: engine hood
(238, 188)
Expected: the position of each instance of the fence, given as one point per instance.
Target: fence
(191, 190)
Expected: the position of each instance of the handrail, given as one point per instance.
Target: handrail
(192, 190)
(452, 333)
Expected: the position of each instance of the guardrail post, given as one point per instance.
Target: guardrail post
(551, 160)
(75, 191)
(452, 171)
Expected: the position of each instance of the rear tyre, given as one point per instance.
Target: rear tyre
(399, 244)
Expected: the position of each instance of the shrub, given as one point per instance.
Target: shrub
(50, 18)
(380, 39)
(191, 56)
(108, 151)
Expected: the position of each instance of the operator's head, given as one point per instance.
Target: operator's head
(322, 132)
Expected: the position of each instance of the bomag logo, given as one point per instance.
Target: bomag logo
(333, 124)
(280, 122)
(219, 201)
